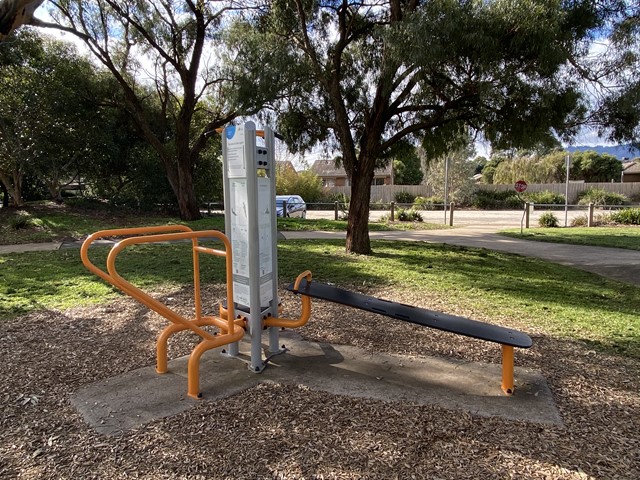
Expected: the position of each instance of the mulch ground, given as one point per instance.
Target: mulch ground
(278, 431)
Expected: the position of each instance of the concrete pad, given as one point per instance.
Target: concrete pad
(130, 400)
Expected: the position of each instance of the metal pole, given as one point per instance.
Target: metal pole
(566, 190)
(446, 187)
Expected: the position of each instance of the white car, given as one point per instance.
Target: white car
(296, 207)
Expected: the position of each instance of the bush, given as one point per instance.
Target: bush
(404, 197)
(378, 205)
(427, 203)
(489, 199)
(628, 216)
(306, 184)
(409, 215)
(21, 220)
(580, 221)
(548, 220)
(599, 196)
(545, 198)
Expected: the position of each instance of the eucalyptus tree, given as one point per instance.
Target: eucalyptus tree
(362, 76)
(612, 73)
(47, 113)
(163, 54)
(406, 163)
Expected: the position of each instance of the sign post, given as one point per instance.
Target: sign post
(250, 224)
(520, 187)
(566, 190)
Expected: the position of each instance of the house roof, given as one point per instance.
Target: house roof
(632, 167)
(285, 165)
(327, 168)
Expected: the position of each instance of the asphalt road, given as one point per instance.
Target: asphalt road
(497, 218)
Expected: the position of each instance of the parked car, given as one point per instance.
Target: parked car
(296, 207)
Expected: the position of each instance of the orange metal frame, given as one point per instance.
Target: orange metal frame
(507, 369)
(232, 329)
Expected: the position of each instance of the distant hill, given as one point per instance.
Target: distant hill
(618, 151)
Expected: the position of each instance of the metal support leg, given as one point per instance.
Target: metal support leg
(507, 369)
(274, 340)
(233, 349)
(255, 330)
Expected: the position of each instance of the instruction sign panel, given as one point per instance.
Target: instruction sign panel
(239, 222)
(236, 155)
(264, 240)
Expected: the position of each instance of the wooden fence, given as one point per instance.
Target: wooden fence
(631, 189)
(386, 193)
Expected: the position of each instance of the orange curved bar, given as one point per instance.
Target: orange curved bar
(304, 315)
(163, 340)
(151, 302)
(84, 249)
(232, 330)
(193, 367)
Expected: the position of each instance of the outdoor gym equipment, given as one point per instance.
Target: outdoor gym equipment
(508, 338)
(250, 250)
(231, 327)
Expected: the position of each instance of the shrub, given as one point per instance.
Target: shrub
(342, 199)
(599, 196)
(548, 220)
(489, 199)
(427, 203)
(378, 205)
(408, 215)
(545, 198)
(21, 221)
(404, 197)
(628, 216)
(580, 221)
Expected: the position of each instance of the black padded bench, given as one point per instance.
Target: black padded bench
(507, 337)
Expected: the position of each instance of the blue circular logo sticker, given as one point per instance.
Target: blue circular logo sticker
(231, 131)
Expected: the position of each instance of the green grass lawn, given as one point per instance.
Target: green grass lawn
(617, 237)
(533, 295)
(50, 222)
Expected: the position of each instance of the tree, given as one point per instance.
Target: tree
(612, 75)
(459, 174)
(551, 168)
(407, 168)
(362, 77)
(171, 46)
(593, 167)
(14, 124)
(49, 119)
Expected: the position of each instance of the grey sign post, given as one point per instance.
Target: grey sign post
(250, 224)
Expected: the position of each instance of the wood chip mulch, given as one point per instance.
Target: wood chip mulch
(290, 432)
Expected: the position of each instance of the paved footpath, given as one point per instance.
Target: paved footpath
(615, 263)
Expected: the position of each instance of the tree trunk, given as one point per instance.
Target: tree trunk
(13, 184)
(186, 195)
(5, 195)
(358, 222)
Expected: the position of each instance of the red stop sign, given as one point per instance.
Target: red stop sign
(521, 186)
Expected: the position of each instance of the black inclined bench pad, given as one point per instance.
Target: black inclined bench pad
(420, 316)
